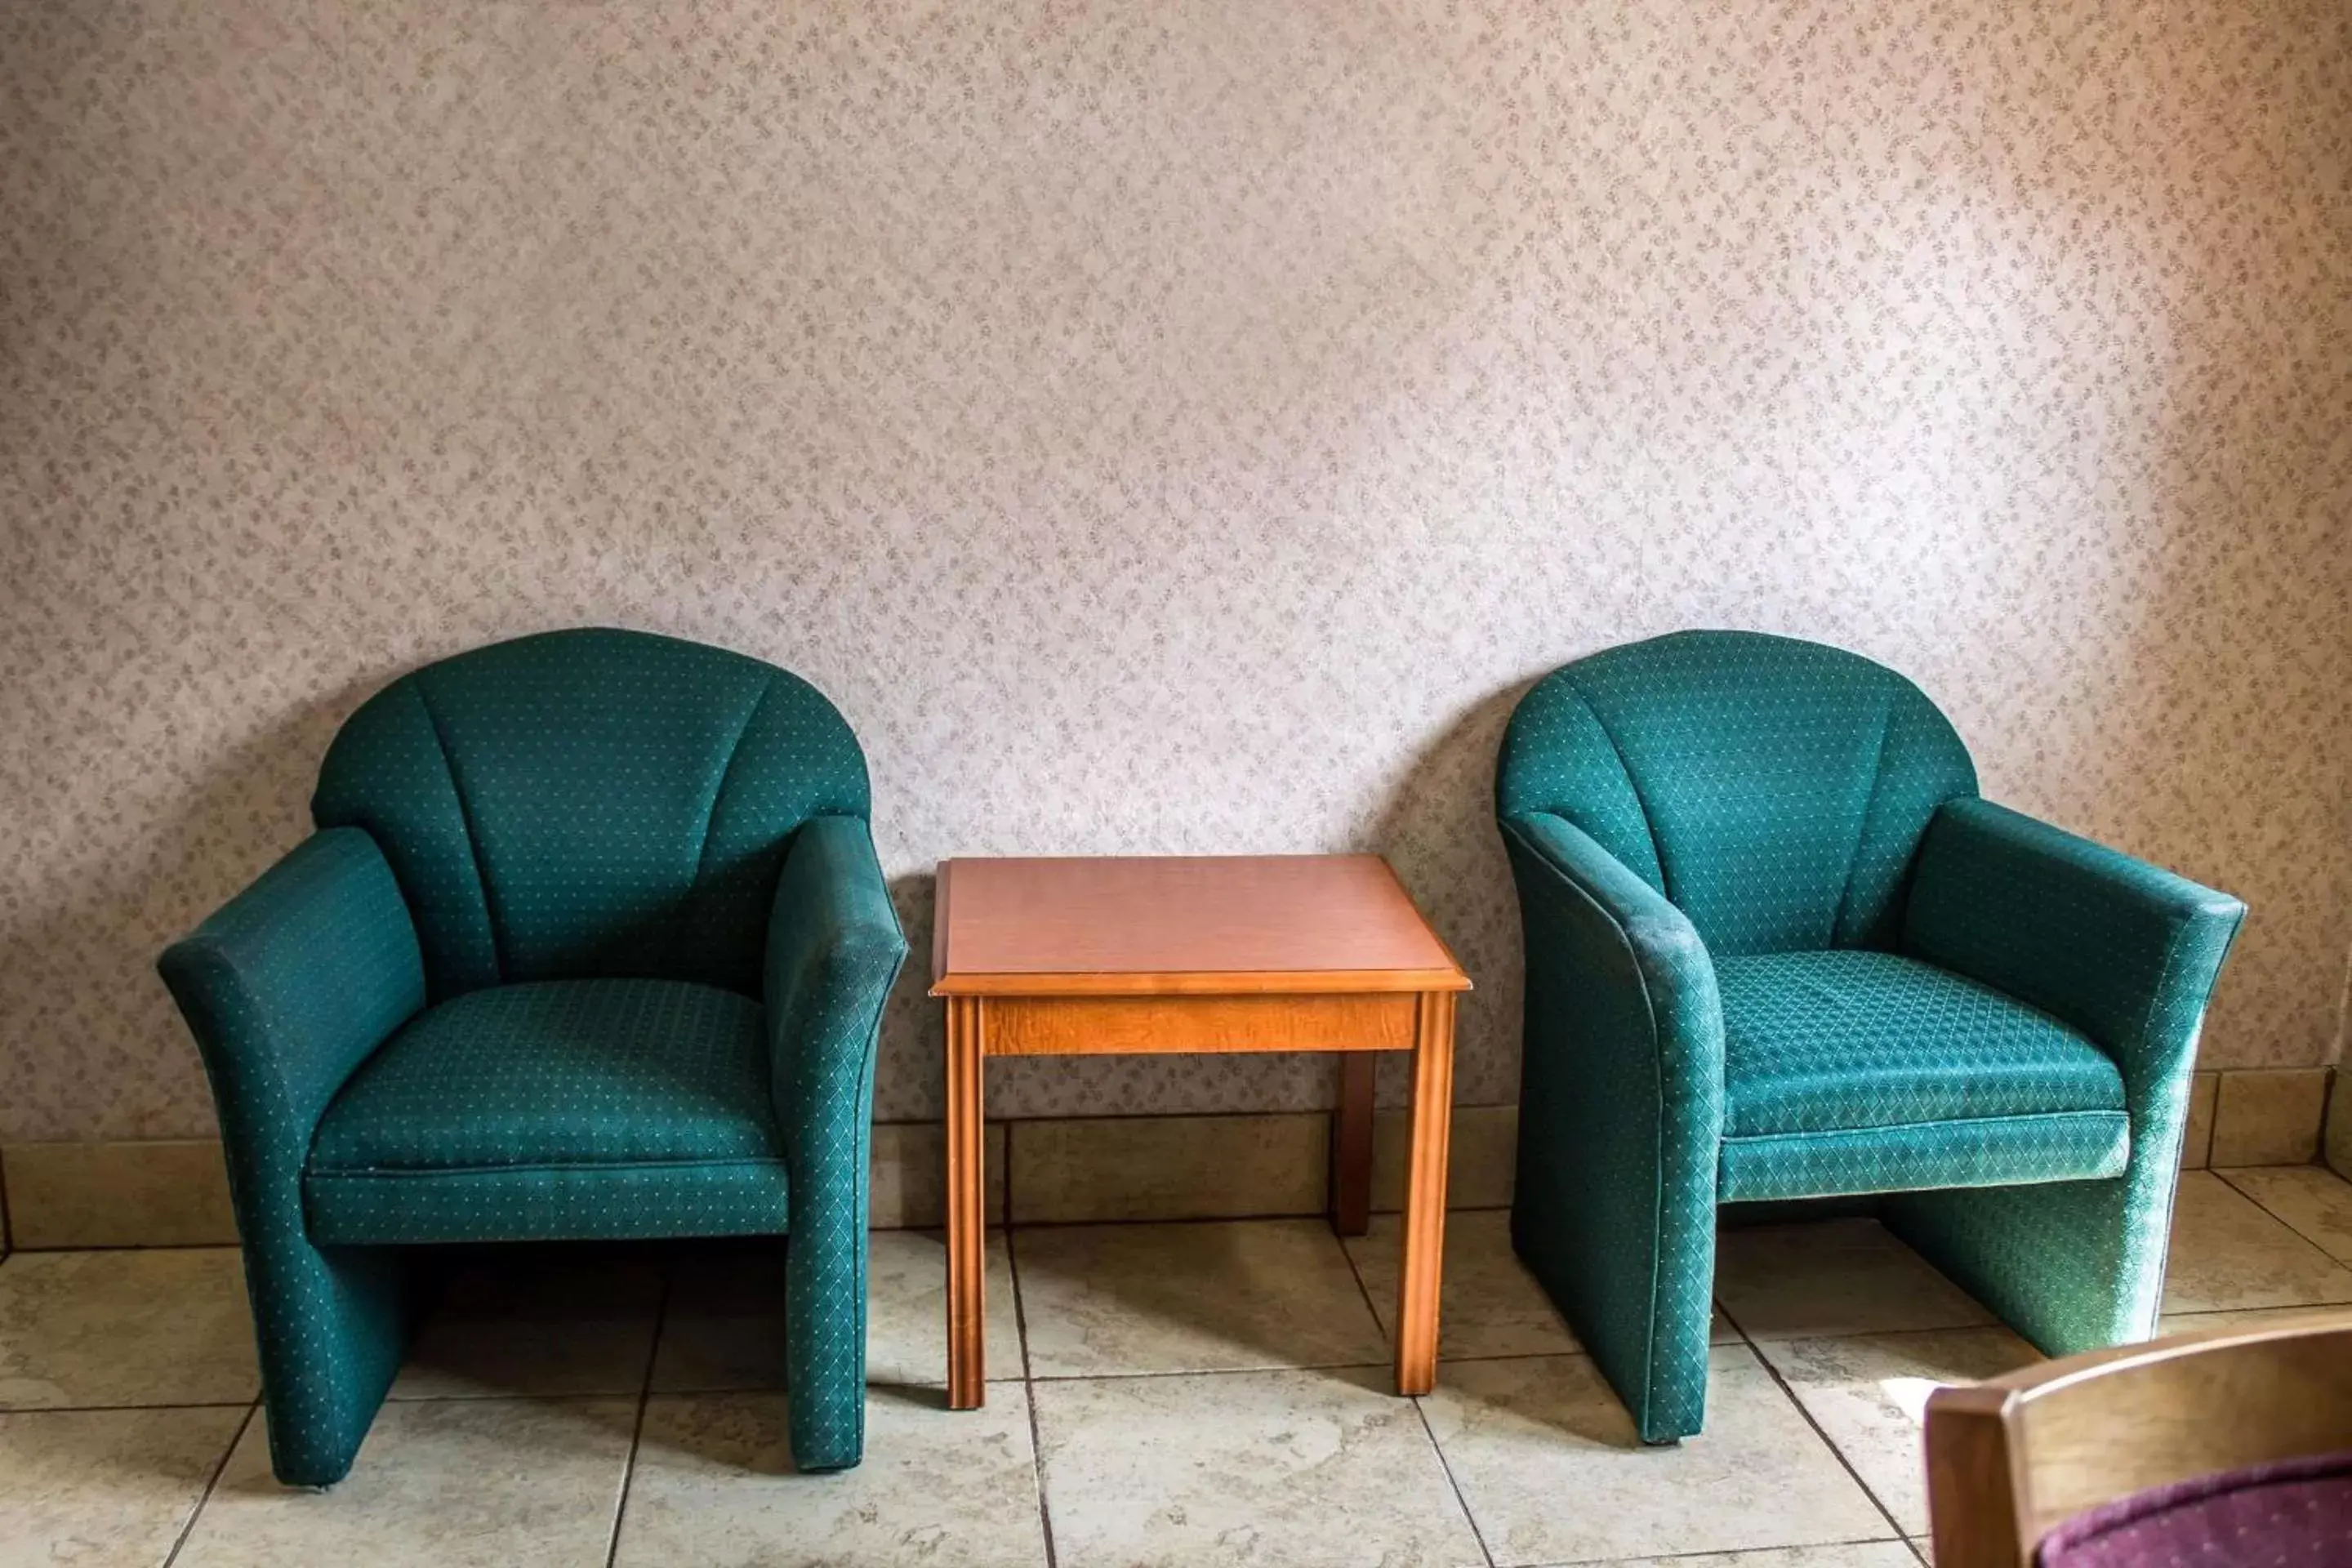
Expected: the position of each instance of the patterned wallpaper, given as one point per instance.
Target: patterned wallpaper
(1164, 426)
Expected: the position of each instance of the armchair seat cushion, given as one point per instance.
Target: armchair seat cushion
(569, 1108)
(1857, 1071)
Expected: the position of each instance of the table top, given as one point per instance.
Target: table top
(1173, 925)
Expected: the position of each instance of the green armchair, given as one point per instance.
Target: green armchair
(1778, 947)
(591, 942)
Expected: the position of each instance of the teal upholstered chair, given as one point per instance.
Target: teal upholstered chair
(1778, 947)
(591, 942)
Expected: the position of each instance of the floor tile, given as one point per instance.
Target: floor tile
(2314, 1201)
(1868, 1394)
(105, 1488)
(1492, 1305)
(161, 1327)
(1225, 1296)
(714, 1485)
(538, 1321)
(1549, 1461)
(457, 1483)
(724, 1326)
(1291, 1468)
(1833, 1277)
(2227, 1254)
(1860, 1554)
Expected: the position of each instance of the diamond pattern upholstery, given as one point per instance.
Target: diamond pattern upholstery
(591, 942)
(1848, 1038)
(1772, 789)
(556, 1110)
(595, 803)
(566, 1072)
(1778, 947)
(1851, 1071)
(1985, 1151)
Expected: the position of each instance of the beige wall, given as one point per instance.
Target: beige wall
(1162, 425)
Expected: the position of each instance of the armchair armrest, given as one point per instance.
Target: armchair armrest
(834, 949)
(1625, 936)
(2121, 950)
(289, 988)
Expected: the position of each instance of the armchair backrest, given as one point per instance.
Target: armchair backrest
(589, 802)
(1774, 791)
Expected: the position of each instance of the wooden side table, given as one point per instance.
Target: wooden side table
(1123, 956)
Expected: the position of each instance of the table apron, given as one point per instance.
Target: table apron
(1150, 1025)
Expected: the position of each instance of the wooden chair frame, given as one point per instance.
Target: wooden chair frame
(2011, 1458)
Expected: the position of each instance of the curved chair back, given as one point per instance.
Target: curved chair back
(589, 802)
(2012, 1459)
(1772, 789)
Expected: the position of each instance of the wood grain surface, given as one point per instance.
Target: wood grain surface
(1183, 926)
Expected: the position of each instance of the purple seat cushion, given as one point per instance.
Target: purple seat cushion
(2296, 1513)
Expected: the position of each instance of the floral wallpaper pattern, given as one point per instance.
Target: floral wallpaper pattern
(1164, 426)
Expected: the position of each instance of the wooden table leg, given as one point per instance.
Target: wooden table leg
(967, 1219)
(1351, 1146)
(1419, 1280)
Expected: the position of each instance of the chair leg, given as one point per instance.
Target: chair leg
(1621, 1128)
(824, 1345)
(1634, 1278)
(2072, 1265)
(331, 1324)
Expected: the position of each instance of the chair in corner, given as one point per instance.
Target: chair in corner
(590, 942)
(1778, 947)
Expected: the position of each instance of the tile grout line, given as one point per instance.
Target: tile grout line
(1446, 1466)
(1993, 1325)
(15, 1410)
(1229, 1371)
(2192, 1321)
(637, 1432)
(1028, 1383)
(1420, 1412)
(1019, 1308)
(1827, 1441)
(1711, 1555)
(203, 1499)
(232, 1244)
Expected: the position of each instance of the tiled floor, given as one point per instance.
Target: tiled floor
(1169, 1395)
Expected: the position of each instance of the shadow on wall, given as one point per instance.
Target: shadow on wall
(1438, 831)
(914, 1027)
(246, 811)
